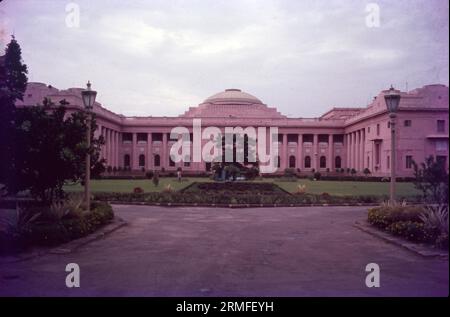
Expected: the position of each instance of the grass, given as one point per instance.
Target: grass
(313, 187)
(349, 188)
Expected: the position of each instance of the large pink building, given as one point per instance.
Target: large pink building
(355, 138)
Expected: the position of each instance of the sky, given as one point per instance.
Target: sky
(301, 56)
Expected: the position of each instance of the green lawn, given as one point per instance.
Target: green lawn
(348, 188)
(127, 185)
(313, 187)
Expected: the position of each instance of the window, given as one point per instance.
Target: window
(338, 138)
(278, 161)
(409, 161)
(441, 145)
(171, 162)
(187, 161)
(126, 160)
(441, 126)
(407, 123)
(389, 124)
(307, 162)
(337, 162)
(280, 138)
(142, 137)
(157, 136)
(377, 153)
(323, 162)
(127, 137)
(368, 129)
(292, 138)
(142, 160)
(388, 162)
(378, 129)
(323, 138)
(157, 160)
(175, 137)
(292, 161)
(308, 138)
(441, 159)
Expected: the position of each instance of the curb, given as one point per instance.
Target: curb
(419, 249)
(143, 203)
(70, 246)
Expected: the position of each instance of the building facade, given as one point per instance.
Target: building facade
(342, 138)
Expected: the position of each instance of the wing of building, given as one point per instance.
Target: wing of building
(342, 138)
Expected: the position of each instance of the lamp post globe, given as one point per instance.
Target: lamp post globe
(392, 99)
(88, 95)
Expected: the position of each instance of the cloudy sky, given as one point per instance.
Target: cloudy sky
(159, 57)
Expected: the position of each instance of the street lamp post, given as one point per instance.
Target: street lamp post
(392, 98)
(88, 96)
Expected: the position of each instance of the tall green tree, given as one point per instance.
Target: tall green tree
(13, 82)
(50, 150)
(431, 178)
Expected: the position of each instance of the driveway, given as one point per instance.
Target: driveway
(309, 251)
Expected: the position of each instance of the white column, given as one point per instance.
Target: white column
(134, 154)
(315, 154)
(284, 155)
(149, 162)
(330, 152)
(300, 152)
(164, 157)
(363, 145)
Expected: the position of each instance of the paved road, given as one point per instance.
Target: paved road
(232, 252)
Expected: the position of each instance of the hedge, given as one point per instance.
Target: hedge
(228, 197)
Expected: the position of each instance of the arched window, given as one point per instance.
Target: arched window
(171, 162)
(187, 161)
(337, 162)
(278, 161)
(126, 160)
(142, 160)
(157, 160)
(307, 162)
(292, 161)
(323, 162)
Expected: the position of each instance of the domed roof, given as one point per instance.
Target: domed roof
(233, 96)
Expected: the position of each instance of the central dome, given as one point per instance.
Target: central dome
(233, 96)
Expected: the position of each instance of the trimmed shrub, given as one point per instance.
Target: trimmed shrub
(382, 217)
(413, 231)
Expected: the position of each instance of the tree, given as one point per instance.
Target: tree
(50, 150)
(431, 178)
(13, 75)
(13, 82)
(366, 172)
(250, 164)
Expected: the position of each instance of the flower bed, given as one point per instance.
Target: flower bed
(408, 222)
(235, 188)
(232, 198)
